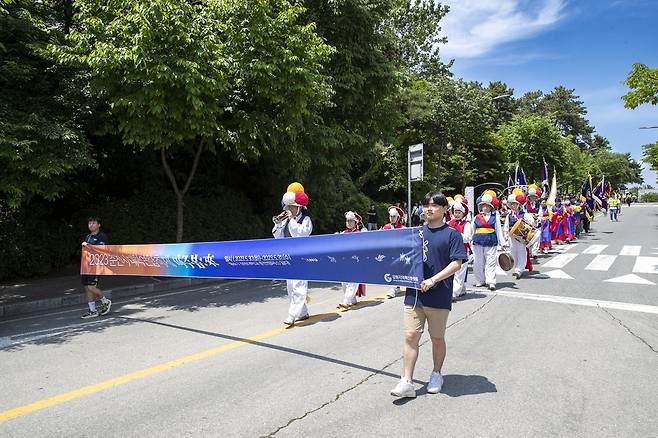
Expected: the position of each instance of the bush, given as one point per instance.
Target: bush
(649, 197)
(31, 243)
(151, 218)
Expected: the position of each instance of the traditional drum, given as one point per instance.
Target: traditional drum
(505, 261)
(523, 232)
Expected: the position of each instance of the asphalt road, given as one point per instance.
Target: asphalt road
(561, 352)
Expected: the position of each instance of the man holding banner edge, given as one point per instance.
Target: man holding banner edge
(443, 255)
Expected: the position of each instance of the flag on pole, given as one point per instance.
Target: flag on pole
(553, 193)
(599, 194)
(544, 177)
(519, 176)
(586, 193)
(510, 182)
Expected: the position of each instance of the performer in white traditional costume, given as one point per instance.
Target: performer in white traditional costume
(532, 206)
(294, 222)
(487, 235)
(517, 243)
(460, 223)
(396, 221)
(353, 224)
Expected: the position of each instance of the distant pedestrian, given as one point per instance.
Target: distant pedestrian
(613, 206)
(372, 218)
(90, 282)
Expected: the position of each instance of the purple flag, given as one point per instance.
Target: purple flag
(519, 176)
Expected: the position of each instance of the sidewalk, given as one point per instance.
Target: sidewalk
(65, 290)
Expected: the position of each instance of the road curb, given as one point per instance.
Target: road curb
(14, 309)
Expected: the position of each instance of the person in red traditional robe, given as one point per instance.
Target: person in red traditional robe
(559, 228)
(571, 221)
(545, 237)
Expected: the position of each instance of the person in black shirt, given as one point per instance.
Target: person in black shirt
(372, 219)
(90, 282)
(443, 255)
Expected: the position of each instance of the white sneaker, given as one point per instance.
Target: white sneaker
(391, 294)
(404, 389)
(436, 383)
(289, 320)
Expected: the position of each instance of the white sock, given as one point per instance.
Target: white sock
(104, 300)
(92, 305)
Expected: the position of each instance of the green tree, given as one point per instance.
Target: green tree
(618, 168)
(578, 164)
(413, 34)
(599, 143)
(567, 111)
(452, 118)
(644, 83)
(651, 155)
(189, 76)
(528, 139)
(505, 104)
(42, 140)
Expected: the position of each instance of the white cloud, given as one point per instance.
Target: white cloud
(476, 27)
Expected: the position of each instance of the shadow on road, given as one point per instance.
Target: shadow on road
(457, 385)
(470, 296)
(268, 345)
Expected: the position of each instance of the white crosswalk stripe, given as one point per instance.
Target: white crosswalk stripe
(594, 249)
(560, 260)
(601, 262)
(562, 256)
(646, 265)
(565, 248)
(631, 279)
(631, 250)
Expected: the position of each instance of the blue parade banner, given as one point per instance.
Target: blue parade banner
(391, 257)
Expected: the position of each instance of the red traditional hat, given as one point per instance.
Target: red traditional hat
(397, 211)
(461, 206)
(301, 199)
(353, 216)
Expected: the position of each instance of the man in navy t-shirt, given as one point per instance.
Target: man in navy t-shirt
(90, 282)
(443, 254)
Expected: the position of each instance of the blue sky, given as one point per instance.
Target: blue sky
(586, 45)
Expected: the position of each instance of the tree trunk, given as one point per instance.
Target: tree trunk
(180, 194)
(179, 217)
(67, 9)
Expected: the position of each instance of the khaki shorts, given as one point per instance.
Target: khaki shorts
(414, 320)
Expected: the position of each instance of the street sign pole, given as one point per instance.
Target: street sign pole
(414, 172)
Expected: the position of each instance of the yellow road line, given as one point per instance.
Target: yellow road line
(136, 375)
